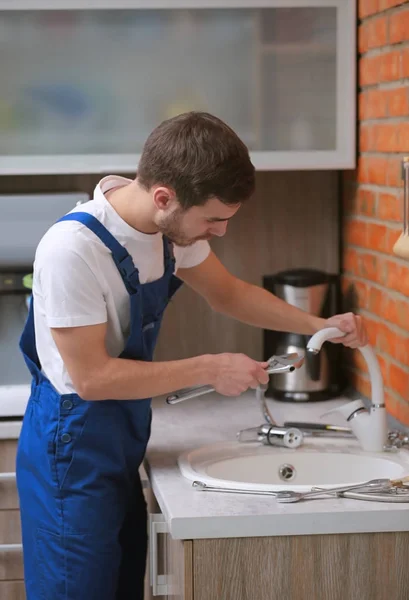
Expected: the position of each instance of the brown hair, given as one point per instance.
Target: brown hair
(199, 157)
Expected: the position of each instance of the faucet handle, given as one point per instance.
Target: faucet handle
(348, 410)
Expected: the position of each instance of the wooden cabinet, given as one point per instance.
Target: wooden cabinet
(280, 72)
(370, 566)
(11, 552)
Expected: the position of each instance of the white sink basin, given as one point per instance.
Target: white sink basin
(257, 467)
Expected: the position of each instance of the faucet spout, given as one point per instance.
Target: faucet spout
(370, 428)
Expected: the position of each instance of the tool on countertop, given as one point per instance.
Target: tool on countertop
(378, 485)
(375, 490)
(401, 247)
(276, 364)
(316, 428)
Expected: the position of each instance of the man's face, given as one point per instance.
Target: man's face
(185, 227)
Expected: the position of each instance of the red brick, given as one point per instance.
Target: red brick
(366, 202)
(384, 137)
(355, 232)
(393, 175)
(383, 272)
(361, 291)
(396, 312)
(367, 7)
(376, 300)
(376, 237)
(398, 102)
(390, 207)
(362, 169)
(369, 70)
(373, 104)
(366, 138)
(394, 344)
(390, 66)
(399, 26)
(405, 62)
(384, 4)
(374, 170)
(399, 380)
(363, 38)
(355, 291)
(372, 327)
(398, 408)
(381, 304)
(368, 266)
(396, 277)
(373, 34)
(351, 263)
(391, 239)
(403, 145)
(402, 412)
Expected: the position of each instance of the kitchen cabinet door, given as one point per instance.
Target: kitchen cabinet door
(82, 88)
(11, 551)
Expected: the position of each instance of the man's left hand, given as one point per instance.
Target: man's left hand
(354, 328)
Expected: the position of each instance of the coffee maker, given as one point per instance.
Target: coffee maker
(320, 377)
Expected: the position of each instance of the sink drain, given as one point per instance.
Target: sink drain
(286, 472)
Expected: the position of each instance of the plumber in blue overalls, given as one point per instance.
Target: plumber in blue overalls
(83, 513)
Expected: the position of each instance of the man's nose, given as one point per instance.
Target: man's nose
(219, 228)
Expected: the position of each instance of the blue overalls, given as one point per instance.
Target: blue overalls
(83, 513)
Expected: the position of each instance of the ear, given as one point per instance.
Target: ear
(163, 197)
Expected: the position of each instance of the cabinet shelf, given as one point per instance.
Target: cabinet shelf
(83, 87)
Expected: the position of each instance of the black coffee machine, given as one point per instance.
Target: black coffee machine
(321, 376)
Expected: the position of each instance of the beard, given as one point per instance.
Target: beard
(171, 227)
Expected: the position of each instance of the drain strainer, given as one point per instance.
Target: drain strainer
(286, 472)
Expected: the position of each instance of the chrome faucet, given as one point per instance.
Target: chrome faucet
(369, 426)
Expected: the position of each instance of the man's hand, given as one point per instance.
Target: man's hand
(354, 328)
(236, 373)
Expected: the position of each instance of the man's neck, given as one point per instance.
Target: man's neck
(131, 203)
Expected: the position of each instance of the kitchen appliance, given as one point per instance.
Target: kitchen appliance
(321, 376)
(24, 220)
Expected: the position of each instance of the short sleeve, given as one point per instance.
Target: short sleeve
(71, 293)
(193, 255)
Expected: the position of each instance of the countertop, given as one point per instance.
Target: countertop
(192, 514)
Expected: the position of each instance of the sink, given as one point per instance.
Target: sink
(254, 466)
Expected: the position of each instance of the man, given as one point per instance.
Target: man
(103, 276)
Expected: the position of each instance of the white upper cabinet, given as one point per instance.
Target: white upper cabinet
(83, 83)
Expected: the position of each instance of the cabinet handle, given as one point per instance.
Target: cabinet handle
(7, 477)
(11, 548)
(159, 583)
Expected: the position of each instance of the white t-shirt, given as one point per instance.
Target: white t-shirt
(76, 281)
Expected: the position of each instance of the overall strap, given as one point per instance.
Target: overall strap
(168, 254)
(120, 255)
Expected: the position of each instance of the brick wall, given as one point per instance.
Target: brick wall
(373, 195)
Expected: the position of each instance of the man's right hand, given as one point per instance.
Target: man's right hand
(236, 373)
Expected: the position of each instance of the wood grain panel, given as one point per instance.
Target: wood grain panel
(8, 494)
(179, 568)
(8, 450)
(292, 221)
(10, 527)
(11, 565)
(12, 590)
(334, 567)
